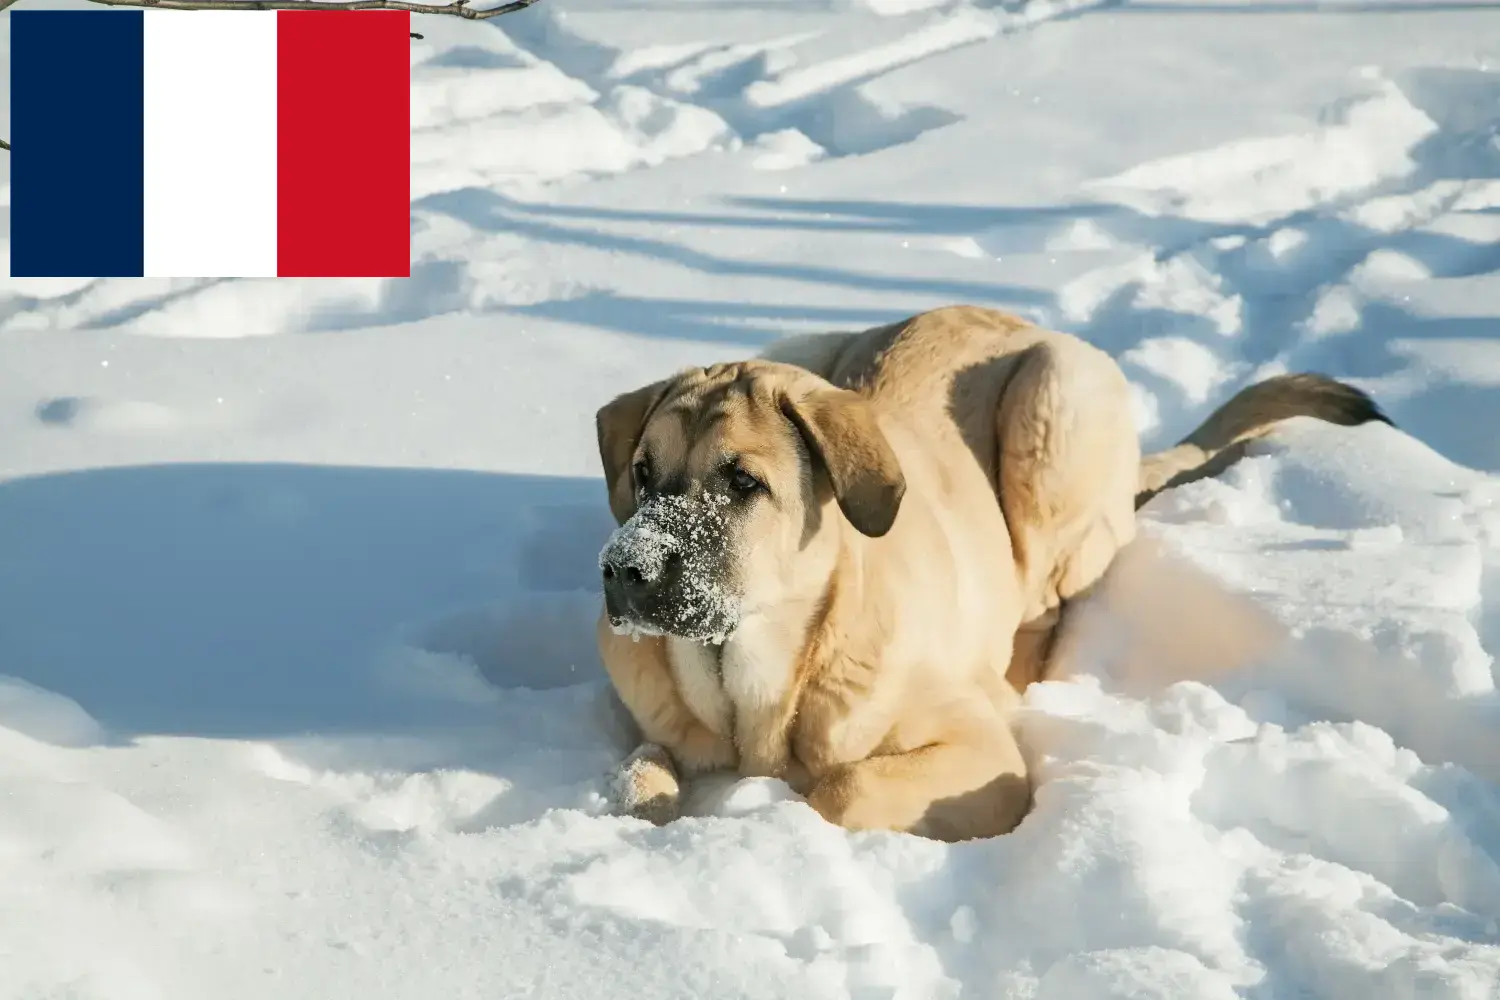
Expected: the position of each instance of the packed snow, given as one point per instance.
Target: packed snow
(298, 579)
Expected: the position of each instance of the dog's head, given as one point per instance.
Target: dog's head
(720, 480)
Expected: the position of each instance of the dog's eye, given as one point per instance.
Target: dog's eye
(743, 482)
(642, 472)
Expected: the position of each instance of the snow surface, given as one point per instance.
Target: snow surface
(297, 578)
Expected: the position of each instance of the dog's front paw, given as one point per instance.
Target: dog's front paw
(647, 787)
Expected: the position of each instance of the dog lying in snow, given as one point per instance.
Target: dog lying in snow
(841, 562)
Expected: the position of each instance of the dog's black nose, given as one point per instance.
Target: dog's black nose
(635, 578)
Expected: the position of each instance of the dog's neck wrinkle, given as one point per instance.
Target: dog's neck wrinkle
(844, 599)
(822, 628)
(713, 655)
(866, 596)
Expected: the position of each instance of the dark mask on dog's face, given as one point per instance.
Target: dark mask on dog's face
(668, 569)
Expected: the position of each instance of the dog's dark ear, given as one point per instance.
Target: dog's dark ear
(619, 424)
(841, 432)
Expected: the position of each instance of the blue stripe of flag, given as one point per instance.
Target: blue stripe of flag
(77, 143)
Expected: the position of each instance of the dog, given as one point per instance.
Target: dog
(840, 563)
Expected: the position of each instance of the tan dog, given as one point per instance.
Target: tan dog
(840, 563)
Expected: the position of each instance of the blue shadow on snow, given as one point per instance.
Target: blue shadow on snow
(253, 600)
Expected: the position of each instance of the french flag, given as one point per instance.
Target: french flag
(172, 143)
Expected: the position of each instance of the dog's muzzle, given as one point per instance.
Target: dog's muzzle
(663, 571)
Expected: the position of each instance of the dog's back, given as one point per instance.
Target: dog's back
(975, 348)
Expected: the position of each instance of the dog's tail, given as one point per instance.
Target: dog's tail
(1253, 412)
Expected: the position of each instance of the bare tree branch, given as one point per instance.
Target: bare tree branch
(458, 8)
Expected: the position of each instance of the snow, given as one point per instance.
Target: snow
(298, 579)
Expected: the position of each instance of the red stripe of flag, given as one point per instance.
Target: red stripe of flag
(343, 137)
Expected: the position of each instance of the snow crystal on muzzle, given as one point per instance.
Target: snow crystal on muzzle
(696, 604)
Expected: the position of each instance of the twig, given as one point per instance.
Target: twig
(458, 8)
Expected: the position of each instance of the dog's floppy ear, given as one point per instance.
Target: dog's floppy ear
(619, 424)
(840, 430)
